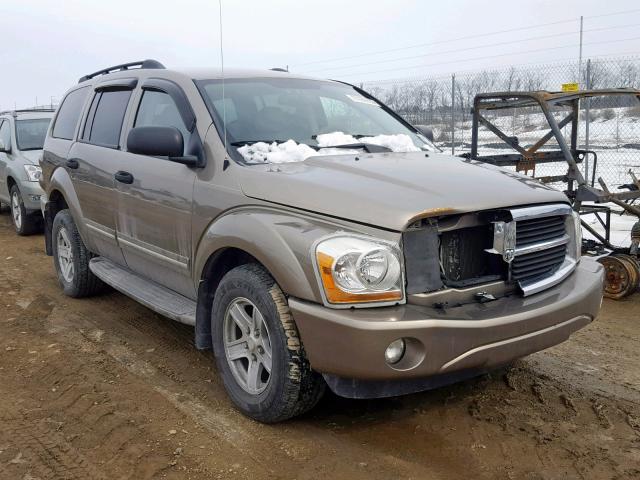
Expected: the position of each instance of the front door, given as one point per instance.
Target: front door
(155, 204)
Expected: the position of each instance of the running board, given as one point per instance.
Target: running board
(156, 297)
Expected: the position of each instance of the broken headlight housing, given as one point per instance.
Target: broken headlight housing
(355, 270)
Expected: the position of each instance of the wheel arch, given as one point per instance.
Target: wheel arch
(61, 195)
(259, 236)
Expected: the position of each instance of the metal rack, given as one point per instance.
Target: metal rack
(621, 263)
(148, 64)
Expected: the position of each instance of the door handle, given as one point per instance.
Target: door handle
(124, 177)
(72, 163)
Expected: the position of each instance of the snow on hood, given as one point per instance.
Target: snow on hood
(396, 143)
(290, 151)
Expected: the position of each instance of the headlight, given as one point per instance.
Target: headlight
(33, 172)
(357, 270)
(578, 234)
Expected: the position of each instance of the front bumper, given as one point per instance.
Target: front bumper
(31, 196)
(350, 344)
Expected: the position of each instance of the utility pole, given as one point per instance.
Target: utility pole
(580, 53)
(587, 124)
(453, 114)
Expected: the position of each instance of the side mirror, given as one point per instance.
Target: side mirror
(426, 131)
(4, 148)
(156, 141)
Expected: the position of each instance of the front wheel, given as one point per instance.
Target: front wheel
(258, 349)
(71, 258)
(25, 224)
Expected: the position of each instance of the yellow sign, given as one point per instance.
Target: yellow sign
(570, 87)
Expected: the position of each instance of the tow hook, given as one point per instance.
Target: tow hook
(484, 297)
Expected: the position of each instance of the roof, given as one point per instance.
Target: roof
(497, 100)
(216, 73)
(126, 69)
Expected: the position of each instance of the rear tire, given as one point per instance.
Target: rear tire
(71, 258)
(25, 224)
(269, 338)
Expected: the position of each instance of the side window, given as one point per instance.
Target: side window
(157, 109)
(106, 123)
(5, 133)
(69, 114)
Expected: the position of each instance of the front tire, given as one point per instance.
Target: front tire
(258, 349)
(71, 258)
(24, 223)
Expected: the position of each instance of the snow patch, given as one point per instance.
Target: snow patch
(286, 152)
(290, 151)
(397, 143)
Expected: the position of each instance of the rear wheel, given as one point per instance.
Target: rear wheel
(25, 224)
(71, 258)
(258, 349)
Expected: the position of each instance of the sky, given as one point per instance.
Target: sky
(46, 46)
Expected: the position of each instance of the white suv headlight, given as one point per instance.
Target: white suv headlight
(33, 172)
(355, 270)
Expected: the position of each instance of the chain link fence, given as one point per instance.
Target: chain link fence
(610, 126)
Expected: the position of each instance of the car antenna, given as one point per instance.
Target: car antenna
(224, 103)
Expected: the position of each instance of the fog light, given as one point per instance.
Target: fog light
(395, 351)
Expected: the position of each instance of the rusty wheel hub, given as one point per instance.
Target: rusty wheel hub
(622, 275)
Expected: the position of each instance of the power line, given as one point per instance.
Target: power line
(467, 37)
(443, 76)
(466, 49)
(490, 56)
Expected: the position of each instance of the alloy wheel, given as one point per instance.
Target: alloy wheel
(247, 345)
(65, 255)
(16, 211)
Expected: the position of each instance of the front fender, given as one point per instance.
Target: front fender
(280, 240)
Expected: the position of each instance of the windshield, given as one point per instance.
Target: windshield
(312, 113)
(30, 133)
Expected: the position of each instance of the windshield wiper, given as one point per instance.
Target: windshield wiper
(242, 143)
(369, 147)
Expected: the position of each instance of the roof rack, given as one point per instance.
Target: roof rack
(151, 64)
(27, 110)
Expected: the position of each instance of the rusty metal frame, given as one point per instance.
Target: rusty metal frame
(578, 190)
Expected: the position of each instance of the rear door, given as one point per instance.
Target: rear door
(93, 163)
(155, 195)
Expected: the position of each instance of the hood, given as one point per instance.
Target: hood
(390, 190)
(31, 156)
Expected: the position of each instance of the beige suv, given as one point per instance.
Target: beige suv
(310, 234)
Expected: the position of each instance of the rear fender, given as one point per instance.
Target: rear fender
(61, 181)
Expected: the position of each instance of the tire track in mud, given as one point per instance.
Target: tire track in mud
(221, 420)
(123, 377)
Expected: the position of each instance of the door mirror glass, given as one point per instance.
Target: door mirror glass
(156, 141)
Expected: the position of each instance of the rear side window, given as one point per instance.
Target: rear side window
(106, 124)
(69, 114)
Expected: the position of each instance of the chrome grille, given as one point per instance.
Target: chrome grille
(538, 230)
(540, 264)
(545, 250)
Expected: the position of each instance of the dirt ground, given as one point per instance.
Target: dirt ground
(104, 388)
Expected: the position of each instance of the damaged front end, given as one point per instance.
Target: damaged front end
(479, 257)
